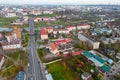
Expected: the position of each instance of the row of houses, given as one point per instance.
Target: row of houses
(45, 31)
(38, 19)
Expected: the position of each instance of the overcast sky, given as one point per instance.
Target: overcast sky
(60, 1)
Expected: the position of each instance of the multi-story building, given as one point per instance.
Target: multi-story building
(11, 39)
(94, 44)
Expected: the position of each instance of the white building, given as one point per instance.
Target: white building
(61, 31)
(12, 14)
(84, 38)
(70, 28)
(11, 45)
(83, 26)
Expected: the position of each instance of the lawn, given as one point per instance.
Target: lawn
(25, 37)
(60, 71)
(4, 22)
(13, 55)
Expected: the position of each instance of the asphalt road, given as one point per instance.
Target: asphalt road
(34, 66)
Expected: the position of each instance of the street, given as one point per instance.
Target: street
(34, 64)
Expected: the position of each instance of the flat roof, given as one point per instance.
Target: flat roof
(20, 75)
(87, 54)
(105, 68)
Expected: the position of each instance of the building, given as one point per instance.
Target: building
(11, 39)
(83, 26)
(99, 62)
(15, 44)
(43, 34)
(60, 31)
(49, 29)
(70, 28)
(10, 14)
(53, 49)
(86, 76)
(62, 41)
(16, 30)
(35, 12)
(2, 60)
(20, 76)
(94, 44)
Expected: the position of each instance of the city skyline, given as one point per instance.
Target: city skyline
(68, 2)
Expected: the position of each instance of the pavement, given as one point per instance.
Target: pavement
(34, 64)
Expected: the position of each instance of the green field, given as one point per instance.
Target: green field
(60, 71)
(5, 22)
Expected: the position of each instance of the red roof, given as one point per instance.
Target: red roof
(69, 26)
(76, 53)
(49, 28)
(63, 41)
(73, 54)
(52, 46)
(43, 31)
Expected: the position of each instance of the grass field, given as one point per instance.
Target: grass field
(5, 22)
(60, 71)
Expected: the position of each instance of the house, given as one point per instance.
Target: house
(49, 29)
(35, 12)
(70, 28)
(43, 34)
(83, 26)
(20, 76)
(47, 12)
(86, 76)
(62, 41)
(2, 60)
(53, 49)
(91, 42)
(60, 31)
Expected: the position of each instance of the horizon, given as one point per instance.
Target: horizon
(67, 2)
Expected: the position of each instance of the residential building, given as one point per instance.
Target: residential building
(49, 29)
(10, 14)
(86, 76)
(70, 28)
(60, 31)
(15, 44)
(53, 49)
(91, 42)
(83, 26)
(2, 60)
(43, 34)
(62, 41)
(35, 12)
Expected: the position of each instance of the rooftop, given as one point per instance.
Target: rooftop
(43, 31)
(52, 46)
(20, 75)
